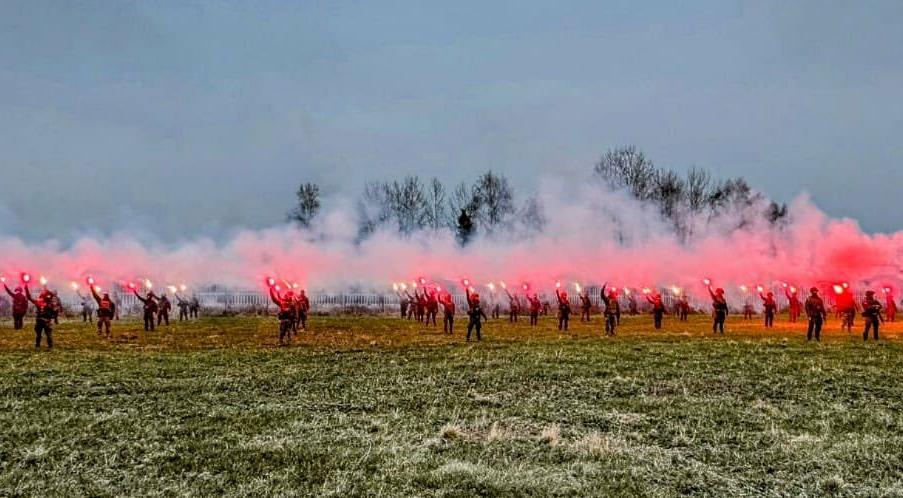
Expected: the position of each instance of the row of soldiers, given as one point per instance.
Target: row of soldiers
(48, 308)
(424, 306)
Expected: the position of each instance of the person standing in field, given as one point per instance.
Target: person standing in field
(432, 306)
(448, 314)
(871, 311)
(890, 306)
(194, 310)
(163, 313)
(303, 310)
(816, 313)
(44, 314)
(513, 307)
(719, 310)
(564, 309)
(183, 305)
(106, 310)
(683, 308)
(475, 315)
(535, 308)
(769, 308)
(658, 309)
(87, 309)
(19, 306)
(286, 313)
(793, 303)
(585, 306)
(612, 309)
(150, 309)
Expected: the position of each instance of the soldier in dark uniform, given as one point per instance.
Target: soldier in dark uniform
(683, 308)
(106, 310)
(475, 315)
(402, 304)
(303, 310)
(585, 307)
(846, 307)
(44, 314)
(719, 310)
(632, 307)
(535, 308)
(183, 305)
(150, 309)
(793, 303)
(448, 314)
(57, 306)
(658, 309)
(612, 310)
(513, 307)
(286, 314)
(871, 311)
(564, 309)
(87, 310)
(20, 306)
(769, 308)
(163, 310)
(195, 309)
(890, 306)
(815, 311)
(432, 306)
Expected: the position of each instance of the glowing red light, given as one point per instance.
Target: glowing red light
(707, 281)
(838, 289)
(26, 278)
(271, 281)
(90, 280)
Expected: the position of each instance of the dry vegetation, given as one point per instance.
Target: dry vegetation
(378, 406)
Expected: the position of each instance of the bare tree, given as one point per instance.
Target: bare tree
(436, 206)
(698, 184)
(307, 206)
(407, 201)
(496, 201)
(627, 167)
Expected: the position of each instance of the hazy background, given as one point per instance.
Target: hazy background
(185, 118)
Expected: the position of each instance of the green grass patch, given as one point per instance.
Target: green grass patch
(380, 406)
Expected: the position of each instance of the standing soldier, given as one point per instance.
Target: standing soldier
(183, 305)
(793, 303)
(513, 307)
(303, 305)
(815, 311)
(475, 314)
(163, 313)
(846, 307)
(612, 310)
(195, 309)
(632, 307)
(20, 306)
(44, 314)
(285, 315)
(564, 309)
(535, 308)
(432, 306)
(585, 306)
(87, 310)
(683, 308)
(658, 308)
(57, 306)
(871, 311)
(150, 309)
(769, 308)
(403, 304)
(890, 307)
(106, 310)
(719, 310)
(448, 313)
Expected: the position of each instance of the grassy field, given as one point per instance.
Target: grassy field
(380, 406)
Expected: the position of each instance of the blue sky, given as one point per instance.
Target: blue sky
(190, 117)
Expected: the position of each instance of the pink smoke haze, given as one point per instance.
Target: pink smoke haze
(592, 236)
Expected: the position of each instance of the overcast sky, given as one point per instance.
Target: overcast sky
(189, 117)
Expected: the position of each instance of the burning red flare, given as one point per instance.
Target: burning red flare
(26, 278)
(271, 281)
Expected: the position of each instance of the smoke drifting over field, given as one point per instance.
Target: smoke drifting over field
(593, 235)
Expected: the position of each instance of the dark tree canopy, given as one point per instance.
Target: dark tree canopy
(307, 204)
